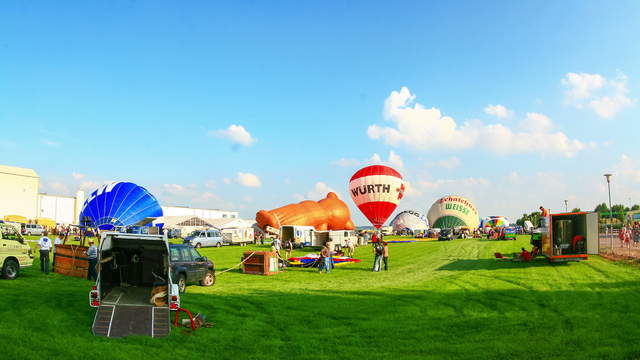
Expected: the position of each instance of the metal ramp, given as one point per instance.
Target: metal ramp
(125, 320)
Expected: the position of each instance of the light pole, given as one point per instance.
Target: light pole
(608, 177)
(566, 209)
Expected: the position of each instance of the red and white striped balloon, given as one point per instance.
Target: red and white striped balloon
(376, 190)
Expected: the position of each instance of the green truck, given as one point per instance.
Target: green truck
(14, 252)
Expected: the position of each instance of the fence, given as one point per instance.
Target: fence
(611, 244)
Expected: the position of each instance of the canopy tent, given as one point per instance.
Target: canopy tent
(46, 222)
(16, 218)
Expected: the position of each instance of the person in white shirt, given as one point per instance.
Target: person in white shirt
(45, 247)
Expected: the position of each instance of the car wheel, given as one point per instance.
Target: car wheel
(208, 279)
(218, 244)
(11, 269)
(198, 246)
(182, 283)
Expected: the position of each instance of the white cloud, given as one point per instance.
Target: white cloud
(248, 180)
(320, 191)
(425, 129)
(449, 163)
(89, 186)
(77, 176)
(375, 158)
(346, 162)
(606, 97)
(226, 181)
(580, 86)
(236, 134)
(50, 143)
(627, 169)
(498, 111)
(395, 160)
(392, 160)
(210, 184)
(173, 189)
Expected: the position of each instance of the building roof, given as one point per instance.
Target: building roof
(191, 220)
(12, 170)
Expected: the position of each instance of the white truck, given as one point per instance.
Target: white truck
(238, 236)
(308, 236)
(134, 292)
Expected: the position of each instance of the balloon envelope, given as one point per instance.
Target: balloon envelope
(411, 220)
(453, 211)
(120, 204)
(495, 221)
(376, 190)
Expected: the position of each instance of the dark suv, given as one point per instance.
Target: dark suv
(187, 265)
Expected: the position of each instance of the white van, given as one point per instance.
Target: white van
(202, 238)
(32, 229)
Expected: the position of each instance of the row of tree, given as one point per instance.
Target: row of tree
(619, 212)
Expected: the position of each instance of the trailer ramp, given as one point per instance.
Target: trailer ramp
(125, 320)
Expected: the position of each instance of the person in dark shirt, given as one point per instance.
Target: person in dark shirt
(325, 261)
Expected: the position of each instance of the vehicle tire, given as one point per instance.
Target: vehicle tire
(209, 279)
(11, 269)
(198, 246)
(182, 283)
(218, 244)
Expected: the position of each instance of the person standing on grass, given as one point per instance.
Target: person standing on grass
(92, 255)
(45, 247)
(288, 246)
(350, 247)
(385, 254)
(378, 251)
(325, 263)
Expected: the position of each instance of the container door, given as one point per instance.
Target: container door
(592, 233)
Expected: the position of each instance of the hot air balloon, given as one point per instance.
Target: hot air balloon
(376, 190)
(453, 211)
(495, 221)
(409, 220)
(120, 204)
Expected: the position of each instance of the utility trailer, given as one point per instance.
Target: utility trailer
(567, 236)
(134, 292)
(238, 236)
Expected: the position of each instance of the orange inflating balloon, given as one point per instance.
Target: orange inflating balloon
(330, 213)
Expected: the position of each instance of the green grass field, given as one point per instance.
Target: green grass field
(438, 301)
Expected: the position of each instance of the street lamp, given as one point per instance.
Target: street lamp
(608, 177)
(566, 209)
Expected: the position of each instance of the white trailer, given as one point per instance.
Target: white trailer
(238, 236)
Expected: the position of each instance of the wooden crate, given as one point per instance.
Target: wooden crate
(260, 263)
(70, 260)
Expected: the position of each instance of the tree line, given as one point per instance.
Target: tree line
(619, 212)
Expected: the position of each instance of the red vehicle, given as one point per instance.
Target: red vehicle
(569, 236)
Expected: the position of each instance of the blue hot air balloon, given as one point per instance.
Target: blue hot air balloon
(120, 204)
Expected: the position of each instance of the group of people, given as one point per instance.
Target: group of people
(630, 233)
(47, 247)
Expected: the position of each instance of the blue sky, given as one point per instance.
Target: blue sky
(143, 92)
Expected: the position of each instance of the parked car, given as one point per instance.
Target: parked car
(32, 229)
(202, 238)
(187, 266)
(446, 235)
(174, 233)
(14, 253)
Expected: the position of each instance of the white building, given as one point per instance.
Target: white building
(19, 195)
(18, 192)
(61, 209)
(201, 213)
